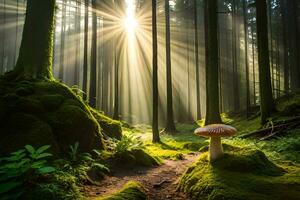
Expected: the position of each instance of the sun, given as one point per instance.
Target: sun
(130, 22)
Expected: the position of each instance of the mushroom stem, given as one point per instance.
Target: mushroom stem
(215, 148)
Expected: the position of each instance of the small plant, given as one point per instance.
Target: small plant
(76, 157)
(127, 143)
(20, 165)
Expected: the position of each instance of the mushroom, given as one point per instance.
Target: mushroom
(215, 132)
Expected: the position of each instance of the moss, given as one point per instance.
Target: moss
(58, 117)
(60, 186)
(135, 157)
(71, 124)
(240, 174)
(51, 102)
(110, 127)
(131, 191)
(29, 105)
(20, 129)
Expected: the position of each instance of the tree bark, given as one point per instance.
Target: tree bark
(197, 60)
(62, 41)
(93, 71)
(155, 94)
(267, 105)
(35, 56)
(212, 68)
(170, 127)
(85, 49)
(246, 58)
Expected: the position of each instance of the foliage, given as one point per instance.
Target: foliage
(131, 191)
(77, 157)
(62, 185)
(127, 143)
(21, 165)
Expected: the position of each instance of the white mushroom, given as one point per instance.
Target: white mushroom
(215, 132)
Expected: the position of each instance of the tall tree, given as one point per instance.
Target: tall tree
(155, 130)
(197, 59)
(246, 57)
(293, 39)
(235, 74)
(62, 40)
(93, 71)
(212, 64)
(170, 126)
(285, 46)
(85, 49)
(77, 45)
(267, 105)
(35, 56)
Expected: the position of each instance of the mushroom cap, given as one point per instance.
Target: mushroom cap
(216, 130)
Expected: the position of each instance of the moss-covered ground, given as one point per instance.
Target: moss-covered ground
(131, 191)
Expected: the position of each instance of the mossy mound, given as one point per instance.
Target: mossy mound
(135, 157)
(45, 112)
(131, 191)
(111, 128)
(241, 174)
(59, 186)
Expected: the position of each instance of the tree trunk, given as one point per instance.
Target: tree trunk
(246, 58)
(197, 60)
(77, 45)
(85, 49)
(155, 94)
(35, 56)
(93, 71)
(253, 65)
(285, 47)
(293, 39)
(62, 41)
(235, 74)
(267, 105)
(170, 127)
(212, 68)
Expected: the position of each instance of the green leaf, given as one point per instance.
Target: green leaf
(43, 149)
(43, 155)
(30, 149)
(18, 152)
(38, 164)
(5, 187)
(46, 170)
(98, 153)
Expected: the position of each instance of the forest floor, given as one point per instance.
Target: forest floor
(160, 182)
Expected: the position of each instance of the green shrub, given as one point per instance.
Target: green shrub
(20, 166)
(127, 143)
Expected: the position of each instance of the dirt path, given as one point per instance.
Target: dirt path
(160, 182)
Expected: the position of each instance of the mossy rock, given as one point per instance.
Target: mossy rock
(111, 128)
(60, 185)
(21, 129)
(51, 102)
(240, 175)
(131, 191)
(135, 157)
(49, 114)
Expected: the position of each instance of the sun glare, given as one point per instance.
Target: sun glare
(130, 22)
